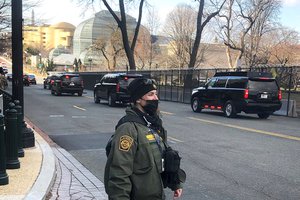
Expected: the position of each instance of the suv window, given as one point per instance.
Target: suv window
(221, 82)
(108, 79)
(237, 83)
(211, 83)
(268, 85)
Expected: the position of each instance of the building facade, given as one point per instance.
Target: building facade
(48, 37)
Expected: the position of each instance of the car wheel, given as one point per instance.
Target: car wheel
(196, 107)
(263, 115)
(229, 109)
(79, 94)
(111, 100)
(96, 99)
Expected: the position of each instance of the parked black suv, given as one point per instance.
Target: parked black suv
(234, 92)
(113, 87)
(67, 83)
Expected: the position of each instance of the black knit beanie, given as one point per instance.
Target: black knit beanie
(139, 87)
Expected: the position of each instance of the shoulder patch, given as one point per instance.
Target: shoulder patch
(125, 143)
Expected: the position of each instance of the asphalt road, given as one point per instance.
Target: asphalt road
(225, 159)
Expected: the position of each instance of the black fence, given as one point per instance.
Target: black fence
(177, 85)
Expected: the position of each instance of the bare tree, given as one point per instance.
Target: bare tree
(111, 48)
(202, 20)
(121, 21)
(5, 6)
(128, 43)
(180, 27)
(152, 25)
(246, 20)
(263, 25)
(144, 49)
(283, 46)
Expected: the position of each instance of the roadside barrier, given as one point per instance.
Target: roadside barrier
(3, 174)
(19, 128)
(11, 138)
(11, 135)
(287, 109)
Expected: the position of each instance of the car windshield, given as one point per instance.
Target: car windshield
(267, 85)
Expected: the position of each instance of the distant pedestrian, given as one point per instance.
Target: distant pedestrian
(135, 168)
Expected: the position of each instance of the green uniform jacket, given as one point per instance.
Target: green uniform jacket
(134, 164)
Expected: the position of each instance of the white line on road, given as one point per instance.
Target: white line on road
(77, 117)
(167, 113)
(79, 108)
(56, 116)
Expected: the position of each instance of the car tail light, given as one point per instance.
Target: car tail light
(51, 82)
(118, 87)
(219, 107)
(67, 77)
(125, 78)
(279, 95)
(212, 107)
(246, 94)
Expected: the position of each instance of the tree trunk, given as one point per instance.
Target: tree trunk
(198, 35)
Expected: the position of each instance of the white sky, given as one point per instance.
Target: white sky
(54, 11)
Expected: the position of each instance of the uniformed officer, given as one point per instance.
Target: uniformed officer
(134, 165)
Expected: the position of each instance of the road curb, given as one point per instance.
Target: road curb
(47, 174)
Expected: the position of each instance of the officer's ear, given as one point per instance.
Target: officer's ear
(138, 101)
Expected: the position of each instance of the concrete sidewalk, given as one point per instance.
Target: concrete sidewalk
(49, 172)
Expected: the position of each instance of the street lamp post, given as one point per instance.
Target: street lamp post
(17, 67)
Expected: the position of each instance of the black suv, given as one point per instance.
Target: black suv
(113, 87)
(234, 92)
(49, 81)
(67, 83)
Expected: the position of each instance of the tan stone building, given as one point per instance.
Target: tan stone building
(48, 37)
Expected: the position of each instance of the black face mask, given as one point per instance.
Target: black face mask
(151, 106)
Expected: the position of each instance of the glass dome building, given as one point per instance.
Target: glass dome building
(101, 26)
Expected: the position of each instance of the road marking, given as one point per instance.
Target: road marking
(89, 97)
(167, 113)
(56, 116)
(78, 117)
(174, 139)
(79, 108)
(280, 135)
